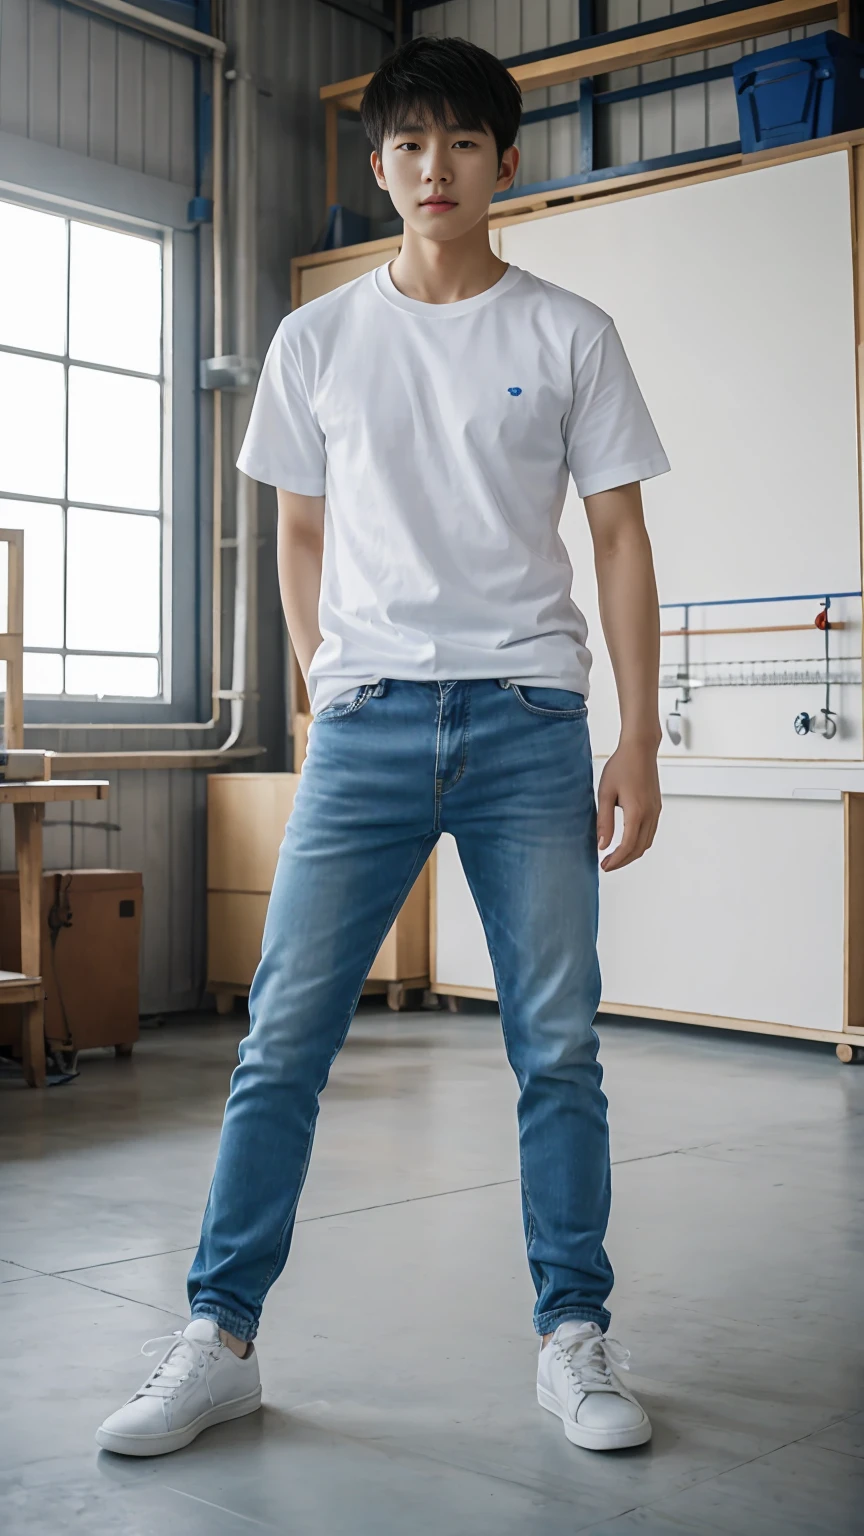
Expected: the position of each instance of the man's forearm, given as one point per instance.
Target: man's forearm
(629, 613)
(299, 555)
(631, 624)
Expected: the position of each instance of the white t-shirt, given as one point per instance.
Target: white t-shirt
(443, 436)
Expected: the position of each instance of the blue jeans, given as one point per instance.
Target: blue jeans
(507, 770)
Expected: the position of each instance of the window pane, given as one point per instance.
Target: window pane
(32, 279)
(115, 298)
(43, 569)
(32, 410)
(114, 439)
(124, 677)
(112, 582)
(42, 674)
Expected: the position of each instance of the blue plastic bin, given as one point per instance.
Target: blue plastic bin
(800, 91)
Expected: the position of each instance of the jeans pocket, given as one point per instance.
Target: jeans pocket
(339, 711)
(554, 703)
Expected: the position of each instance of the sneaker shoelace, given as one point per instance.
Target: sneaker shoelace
(183, 1359)
(588, 1363)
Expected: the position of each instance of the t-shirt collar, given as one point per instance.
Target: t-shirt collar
(387, 289)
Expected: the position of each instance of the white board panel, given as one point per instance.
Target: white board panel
(734, 298)
(736, 911)
(462, 957)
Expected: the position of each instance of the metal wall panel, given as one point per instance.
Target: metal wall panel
(86, 85)
(693, 118)
(89, 86)
(304, 45)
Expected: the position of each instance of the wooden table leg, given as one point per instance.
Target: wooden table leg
(33, 1044)
(28, 854)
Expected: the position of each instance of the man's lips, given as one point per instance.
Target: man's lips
(438, 202)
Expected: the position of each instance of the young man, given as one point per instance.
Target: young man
(420, 424)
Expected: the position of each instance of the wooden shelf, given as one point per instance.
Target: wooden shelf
(173, 758)
(47, 791)
(671, 42)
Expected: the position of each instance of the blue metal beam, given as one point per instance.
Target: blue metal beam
(631, 92)
(639, 29)
(586, 96)
(662, 163)
(362, 12)
(736, 602)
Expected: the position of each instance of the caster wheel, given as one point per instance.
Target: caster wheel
(224, 1002)
(396, 996)
(453, 1004)
(850, 1054)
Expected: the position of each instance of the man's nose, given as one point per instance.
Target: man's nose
(436, 169)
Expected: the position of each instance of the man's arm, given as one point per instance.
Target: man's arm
(299, 553)
(631, 625)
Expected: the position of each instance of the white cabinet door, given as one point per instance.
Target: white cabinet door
(462, 958)
(736, 912)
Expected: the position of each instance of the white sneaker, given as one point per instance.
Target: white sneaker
(576, 1380)
(198, 1382)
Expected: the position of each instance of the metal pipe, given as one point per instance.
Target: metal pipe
(154, 25)
(737, 602)
(244, 273)
(751, 629)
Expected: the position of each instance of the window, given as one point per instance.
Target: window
(82, 412)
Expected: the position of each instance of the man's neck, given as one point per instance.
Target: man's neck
(438, 272)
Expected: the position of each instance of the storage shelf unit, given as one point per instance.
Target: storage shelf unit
(246, 818)
(712, 26)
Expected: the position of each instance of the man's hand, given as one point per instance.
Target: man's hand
(630, 780)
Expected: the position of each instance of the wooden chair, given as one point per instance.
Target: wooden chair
(23, 988)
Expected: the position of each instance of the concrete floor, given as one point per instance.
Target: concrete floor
(397, 1351)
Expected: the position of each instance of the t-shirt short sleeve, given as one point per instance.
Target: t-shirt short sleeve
(609, 436)
(284, 445)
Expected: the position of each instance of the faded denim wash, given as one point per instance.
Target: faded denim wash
(507, 770)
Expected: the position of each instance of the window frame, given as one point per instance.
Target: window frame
(184, 648)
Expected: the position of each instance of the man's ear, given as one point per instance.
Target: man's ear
(378, 170)
(508, 168)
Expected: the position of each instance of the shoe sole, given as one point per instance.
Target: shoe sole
(595, 1439)
(160, 1445)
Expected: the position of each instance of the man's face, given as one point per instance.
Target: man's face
(441, 180)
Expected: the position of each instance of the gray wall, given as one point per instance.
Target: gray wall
(83, 84)
(79, 84)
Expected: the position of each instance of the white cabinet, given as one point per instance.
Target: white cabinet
(748, 913)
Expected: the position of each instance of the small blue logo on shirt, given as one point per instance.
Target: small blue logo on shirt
(514, 391)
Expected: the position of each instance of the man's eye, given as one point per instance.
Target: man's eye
(465, 144)
(408, 145)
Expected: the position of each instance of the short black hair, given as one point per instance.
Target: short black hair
(429, 75)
